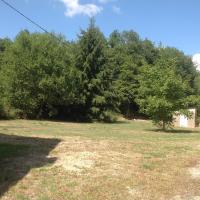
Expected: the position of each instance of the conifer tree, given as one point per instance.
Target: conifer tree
(96, 83)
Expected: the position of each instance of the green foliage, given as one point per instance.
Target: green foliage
(125, 86)
(96, 82)
(40, 75)
(183, 64)
(4, 105)
(127, 54)
(93, 78)
(197, 84)
(161, 93)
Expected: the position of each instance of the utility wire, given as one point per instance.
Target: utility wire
(32, 21)
(27, 18)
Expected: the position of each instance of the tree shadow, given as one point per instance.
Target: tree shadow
(18, 155)
(80, 122)
(178, 131)
(116, 122)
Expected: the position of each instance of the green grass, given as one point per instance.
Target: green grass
(130, 160)
(11, 150)
(126, 130)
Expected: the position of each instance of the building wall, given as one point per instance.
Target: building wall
(176, 122)
(191, 122)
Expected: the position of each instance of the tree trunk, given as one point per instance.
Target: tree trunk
(164, 126)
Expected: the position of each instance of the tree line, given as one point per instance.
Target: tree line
(94, 78)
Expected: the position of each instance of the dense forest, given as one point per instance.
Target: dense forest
(44, 76)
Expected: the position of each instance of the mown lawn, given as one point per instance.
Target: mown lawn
(43, 160)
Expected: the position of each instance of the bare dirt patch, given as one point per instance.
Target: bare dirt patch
(178, 197)
(133, 191)
(98, 157)
(76, 162)
(195, 172)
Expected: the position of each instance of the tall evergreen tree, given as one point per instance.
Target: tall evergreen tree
(96, 74)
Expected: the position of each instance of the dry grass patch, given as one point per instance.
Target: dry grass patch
(67, 161)
(195, 171)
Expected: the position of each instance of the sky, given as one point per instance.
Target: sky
(173, 22)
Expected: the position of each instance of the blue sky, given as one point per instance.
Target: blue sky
(172, 22)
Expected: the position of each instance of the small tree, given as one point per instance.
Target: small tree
(161, 93)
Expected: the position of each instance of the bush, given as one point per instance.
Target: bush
(108, 117)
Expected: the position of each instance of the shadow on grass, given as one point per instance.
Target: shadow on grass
(181, 131)
(18, 155)
(79, 122)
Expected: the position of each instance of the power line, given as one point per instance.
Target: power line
(27, 18)
(31, 21)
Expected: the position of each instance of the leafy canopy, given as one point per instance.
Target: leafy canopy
(161, 92)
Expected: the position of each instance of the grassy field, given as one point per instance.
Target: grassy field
(43, 160)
